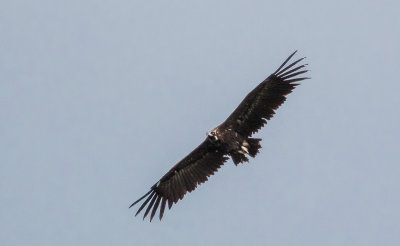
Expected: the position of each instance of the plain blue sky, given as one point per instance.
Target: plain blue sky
(98, 99)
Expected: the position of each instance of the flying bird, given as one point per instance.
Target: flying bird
(231, 139)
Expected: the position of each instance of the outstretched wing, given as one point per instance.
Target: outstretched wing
(184, 177)
(260, 104)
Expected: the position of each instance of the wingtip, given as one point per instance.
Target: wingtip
(291, 55)
(285, 62)
(141, 198)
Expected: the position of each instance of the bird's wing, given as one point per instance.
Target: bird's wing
(184, 177)
(260, 104)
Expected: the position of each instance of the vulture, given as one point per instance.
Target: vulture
(231, 139)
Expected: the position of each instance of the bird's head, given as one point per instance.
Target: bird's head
(212, 136)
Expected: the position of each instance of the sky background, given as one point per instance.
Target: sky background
(98, 99)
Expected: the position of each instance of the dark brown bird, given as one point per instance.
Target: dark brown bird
(232, 139)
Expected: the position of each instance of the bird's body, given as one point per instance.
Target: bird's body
(234, 143)
(232, 138)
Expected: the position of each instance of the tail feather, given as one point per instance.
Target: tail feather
(254, 146)
(238, 158)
